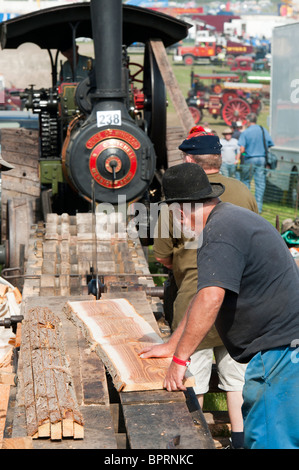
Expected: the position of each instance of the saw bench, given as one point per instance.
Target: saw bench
(90, 413)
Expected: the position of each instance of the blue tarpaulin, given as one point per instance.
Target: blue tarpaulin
(7, 16)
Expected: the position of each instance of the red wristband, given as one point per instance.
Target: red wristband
(180, 362)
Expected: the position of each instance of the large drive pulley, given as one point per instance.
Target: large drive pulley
(120, 160)
(155, 105)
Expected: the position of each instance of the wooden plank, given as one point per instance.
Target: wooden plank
(118, 333)
(98, 431)
(94, 383)
(172, 85)
(11, 138)
(17, 443)
(23, 181)
(140, 303)
(86, 368)
(154, 426)
(20, 214)
(151, 397)
(4, 395)
(7, 378)
(174, 138)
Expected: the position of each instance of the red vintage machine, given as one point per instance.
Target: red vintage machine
(224, 96)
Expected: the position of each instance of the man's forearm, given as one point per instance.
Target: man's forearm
(198, 320)
(167, 262)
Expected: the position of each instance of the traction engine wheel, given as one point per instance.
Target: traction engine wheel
(138, 70)
(188, 59)
(196, 114)
(235, 110)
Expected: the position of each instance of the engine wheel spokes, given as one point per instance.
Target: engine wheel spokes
(235, 110)
(196, 114)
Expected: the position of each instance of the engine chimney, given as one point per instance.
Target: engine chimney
(106, 16)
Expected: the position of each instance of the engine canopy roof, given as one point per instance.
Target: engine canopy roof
(48, 27)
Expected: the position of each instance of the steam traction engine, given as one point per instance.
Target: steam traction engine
(225, 97)
(104, 136)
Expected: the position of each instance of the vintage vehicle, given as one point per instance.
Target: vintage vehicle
(209, 48)
(80, 117)
(261, 64)
(9, 97)
(241, 63)
(223, 97)
(250, 70)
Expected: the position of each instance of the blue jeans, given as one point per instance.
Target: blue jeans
(228, 169)
(255, 167)
(271, 405)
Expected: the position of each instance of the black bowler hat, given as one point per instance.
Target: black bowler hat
(188, 182)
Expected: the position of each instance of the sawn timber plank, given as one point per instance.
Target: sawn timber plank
(118, 333)
(139, 301)
(132, 403)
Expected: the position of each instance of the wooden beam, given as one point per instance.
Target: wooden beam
(172, 85)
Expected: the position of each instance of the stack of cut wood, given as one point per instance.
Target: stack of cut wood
(50, 402)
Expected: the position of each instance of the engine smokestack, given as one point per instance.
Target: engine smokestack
(106, 17)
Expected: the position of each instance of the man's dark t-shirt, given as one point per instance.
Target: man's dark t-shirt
(242, 253)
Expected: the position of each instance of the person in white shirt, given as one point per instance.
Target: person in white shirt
(230, 153)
